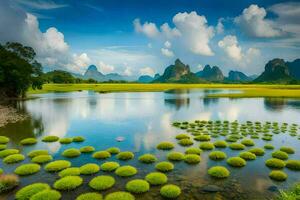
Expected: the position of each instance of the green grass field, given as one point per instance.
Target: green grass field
(247, 90)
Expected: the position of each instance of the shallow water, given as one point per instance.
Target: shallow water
(144, 119)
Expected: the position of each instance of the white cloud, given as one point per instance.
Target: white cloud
(169, 32)
(41, 5)
(220, 26)
(166, 52)
(147, 28)
(105, 68)
(147, 71)
(128, 71)
(168, 44)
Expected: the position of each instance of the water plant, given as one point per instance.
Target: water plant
(236, 146)
(89, 168)
(293, 164)
(147, 158)
(42, 159)
(218, 172)
(28, 141)
(275, 163)
(280, 155)
(257, 151)
(113, 150)
(125, 155)
(269, 146)
(65, 140)
(236, 162)
(57, 165)
(34, 153)
(72, 171)
(165, 146)
(156, 178)
(46, 195)
(14, 158)
(50, 138)
(137, 186)
(28, 191)
(164, 166)
(90, 196)
(202, 138)
(182, 136)
(278, 175)
(192, 158)
(110, 166)
(78, 139)
(87, 149)
(170, 191)
(119, 196)
(4, 139)
(247, 142)
(185, 142)
(27, 169)
(217, 155)
(8, 182)
(207, 146)
(175, 156)
(71, 153)
(220, 144)
(288, 150)
(3, 146)
(101, 155)
(68, 183)
(193, 150)
(102, 182)
(246, 155)
(126, 170)
(8, 152)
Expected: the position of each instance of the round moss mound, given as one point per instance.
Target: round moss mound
(247, 142)
(125, 155)
(27, 169)
(78, 139)
(269, 146)
(218, 172)
(71, 153)
(113, 150)
(207, 146)
(66, 140)
(175, 156)
(28, 141)
(89, 168)
(28, 191)
(42, 159)
(156, 178)
(280, 155)
(165, 146)
(101, 155)
(72, 171)
(278, 175)
(137, 186)
(217, 155)
(3, 146)
(126, 170)
(4, 140)
(185, 142)
(50, 138)
(34, 153)
(109, 166)
(90, 196)
(147, 158)
(119, 196)
(87, 149)
(164, 166)
(220, 144)
(247, 155)
(8, 182)
(170, 191)
(288, 150)
(182, 136)
(293, 164)
(236, 162)
(257, 151)
(46, 195)
(202, 138)
(57, 165)
(193, 150)
(192, 159)
(237, 146)
(102, 182)
(8, 152)
(14, 158)
(68, 183)
(275, 163)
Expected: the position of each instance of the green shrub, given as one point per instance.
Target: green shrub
(4, 139)
(126, 170)
(218, 172)
(125, 155)
(50, 138)
(119, 196)
(71, 153)
(280, 155)
(193, 150)
(237, 146)
(34, 153)
(110, 166)
(288, 150)
(293, 164)
(78, 139)
(220, 144)
(8, 182)
(247, 155)
(1, 171)
(28, 191)
(165, 146)
(28, 141)
(89, 168)
(156, 178)
(236, 162)
(275, 163)
(268, 146)
(182, 136)
(101, 155)
(27, 169)
(72, 171)
(247, 142)
(217, 155)
(202, 138)
(207, 146)
(185, 142)
(137, 186)
(57, 165)
(90, 196)
(3, 146)
(14, 158)
(46, 195)
(148, 158)
(66, 140)
(113, 150)
(175, 156)
(164, 166)
(8, 152)
(170, 191)
(68, 183)
(42, 159)
(102, 182)
(278, 175)
(257, 151)
(87, 149)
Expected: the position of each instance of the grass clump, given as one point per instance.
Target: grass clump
(28, 191)
(175, 156)
(165, 146)
(193, 150)
(90, 196)
(236, 162)
(102, 182)
(72, 171)
(182, 136)
(87, 149)
(28, 141)
(8, 152)
(192, 158)
(170, 191)
(207, 146)
(42, 159)
(125, 155)
(137, 186)
(164, 166)
(288, 150)
(237, 146)
(278, 175)
(185, 142)
(34, 153)
(202, 138)
(113, 150)
(14, 158)
(46, 195)
(8, 182)
(50, 138)
(57, 165)
(125, 171)
(293, 164)
(78, 139)
(68, 183)
(119, 196)
(4, 139)
(147, 158)
(110, 166)
(3, 146)
(280, 155)
(217, 155)
(220, 144)
(218, 172)
(275, 163)
(269, 146)
(156, 178)
(247, 155)
(27, 169)
(247, 142)
(89, 168)
(101, 155)
(257, 151)
(66, 140)
(1, 171)
(71, 153)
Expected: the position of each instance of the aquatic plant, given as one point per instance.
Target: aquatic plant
(278, 175)
(288, 150)
(78, 139)
(147, 158)
(247, 142)
(47, 195)
(8, 182)
(57, 165)
(290, 194)
(165, 146)
(8, 152)
(156, 178)
(269, 146)
(34, 153)
(1, 171)
(72, 171)
(68, 183)
(237, 146)
(185, 142)
(101, 155)
(293, 164)
(164, 166)
(220, 144)
(3, 146)
(275, 163)
(66, 140)
(182, 136)
(14, 158)
(218, 172)
(207, 146)
(193, 150)
(90, 196)
(102, 182)
(28, 141)
(4, 139)
(125, 155)
(192, 158)
(87, 149)
(113, 150)
(170, 191)
(27, 169)
(50, 138)
(28, 191)
(280, 155)
(175, 156)
(126, 170)
(110, 166)
(137, 186)
(202, 138)
(71, 153)
(257, 151)
(217, 155)
(42, 159)
(236, 162)
(119, 196)
(247, 155)
(89, 168)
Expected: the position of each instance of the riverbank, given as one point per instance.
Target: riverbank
(9, 114)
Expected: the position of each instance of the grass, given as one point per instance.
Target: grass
(8, 152)
(47, 195)
(290, 194)
(165, 146)
(175, 156)
(156, 178)
(220, 144)
(293, 164)
(247, 155)
(207, 146)
(90, 196)
(185, 142)
(28, 141)
(257, 151)
(236, 162)
(217, 155)
(102, 182)
(192, 159)
(125, 155)
(35, 153)
(147, 158)
(3, 146)
(4, 140)
(87, 149)
(280, 155)
(237, 146)
(72, 171)
(126, 171)
(109, 166)
(27, 169)
(42, 159)
(57, 165)
(8, 182)
(275, 163)
(68, 183)
(218, 172)
(89, 168)
(28, 191)
(170, 191)
(164, 166)
(14, 158)
(50, 138)
(101, 155)
(66, 140)
(113, 150)
(71, 153)
(119, 196)
(193, 150)
(278, 175)
(78, 139)
(137, 186)
(288, 150)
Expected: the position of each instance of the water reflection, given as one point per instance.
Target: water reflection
(278, 104)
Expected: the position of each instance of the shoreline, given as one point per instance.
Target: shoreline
(8, 114)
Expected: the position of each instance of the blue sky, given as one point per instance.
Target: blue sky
(136, 37)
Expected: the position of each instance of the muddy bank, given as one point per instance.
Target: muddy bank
(8, 114)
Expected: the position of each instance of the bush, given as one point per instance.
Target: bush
(8, 182)
(102, 182)
(236, 162)
(217, 155)
(42, 159)
(165, 146)
(27, 169)
(164, 166)
(89, 168)
(207, 146)
(247, 142)
(170, 191)
(257, 151)
(8, 152)
(46, 195)
(125, 155)
(110, 166)
(288, 150)
(175, 156)
(247, 155)
(269, 146)
(220, 144)
(156, 178)
(57, 165)
(4, 140)
(193, 150)
(28, 191)
(90, 196)
(72, 171)
(3, 146)
(202, 138)
(278, 175)
(50, 138)
(68, 183)
(101, 155)
(113, 150)
(182, 136)
(34, 153)
(87, 149)
(126, 170)
(148, 158)
(119, 196)
(137, 186)
(14, 158)
(78, 139)
(237, 146)
(218, 172)
(66, 140)
(280, 155)
(185, 142)
(71, 153)
(28, 141)
(275, 163)
(1, 171)
(293, 164)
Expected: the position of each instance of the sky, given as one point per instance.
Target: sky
(137, 37)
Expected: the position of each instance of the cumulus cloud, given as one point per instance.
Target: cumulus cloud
(128, 71)
(168, 44)
(169, 32)
(166, 52)
(106, 68)
(147, 71)
(147, 28)
(220, 26)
